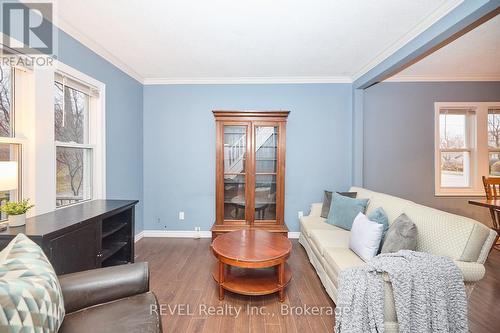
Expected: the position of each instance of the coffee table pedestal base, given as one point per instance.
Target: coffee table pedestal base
(252, 281)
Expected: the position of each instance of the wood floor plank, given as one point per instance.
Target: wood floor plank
(181, 274)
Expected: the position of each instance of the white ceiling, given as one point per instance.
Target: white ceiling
(473, 56)
(176, 41)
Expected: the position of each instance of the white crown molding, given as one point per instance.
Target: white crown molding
(98, 49)
(429, 78)
(187, 234)
(104, 53)
(250, 80)
(429, 20)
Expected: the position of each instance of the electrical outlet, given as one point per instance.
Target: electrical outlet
(181, 215)
(158, 220)
(300, 214)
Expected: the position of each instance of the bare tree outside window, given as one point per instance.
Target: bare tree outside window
(71, 128)
(494, 142)
(5, 100)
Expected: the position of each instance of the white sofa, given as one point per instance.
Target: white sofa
(466, 241)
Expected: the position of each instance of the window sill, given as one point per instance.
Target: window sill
(459, 194)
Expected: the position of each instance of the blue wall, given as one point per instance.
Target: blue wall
(399, 139)
(124, 103)
(123, 121)
(179, 146)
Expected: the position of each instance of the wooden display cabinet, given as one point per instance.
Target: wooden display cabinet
(250, 171)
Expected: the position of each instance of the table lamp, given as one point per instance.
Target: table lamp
(8, 182)
(8, 176)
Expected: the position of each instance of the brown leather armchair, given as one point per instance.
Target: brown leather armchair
(111, 299)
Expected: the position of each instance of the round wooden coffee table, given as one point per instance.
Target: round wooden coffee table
(252, 262)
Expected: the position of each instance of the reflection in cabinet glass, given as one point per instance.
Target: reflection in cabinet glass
(250, 171)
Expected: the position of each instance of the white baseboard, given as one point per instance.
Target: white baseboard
(139, 236)
(187, 234)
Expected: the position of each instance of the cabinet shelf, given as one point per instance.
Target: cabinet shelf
(111, 249)
(112, 228)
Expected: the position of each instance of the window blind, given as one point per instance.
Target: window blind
(73, 83)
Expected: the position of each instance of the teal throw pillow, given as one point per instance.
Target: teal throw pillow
(379, 216)
(343, 210)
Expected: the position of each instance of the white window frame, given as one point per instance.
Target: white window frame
(96, 132)
(478, 147)
(20, 85)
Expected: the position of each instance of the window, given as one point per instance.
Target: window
(6, 100)
(10, 147)
(494, 141)
(467, 145)
(75, 148)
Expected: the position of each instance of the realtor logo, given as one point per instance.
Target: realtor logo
(30, 27)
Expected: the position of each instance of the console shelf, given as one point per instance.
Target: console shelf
(89, 235)
(112, 249)
(112, 228)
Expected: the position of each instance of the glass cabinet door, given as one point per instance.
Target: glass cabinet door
(235, 168)
(266, 162)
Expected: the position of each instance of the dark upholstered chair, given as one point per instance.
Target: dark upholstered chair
(111, 299)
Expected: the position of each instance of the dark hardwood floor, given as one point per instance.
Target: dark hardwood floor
(181, 279)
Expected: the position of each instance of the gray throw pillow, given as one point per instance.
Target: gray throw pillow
(402, 235)
(327, 201)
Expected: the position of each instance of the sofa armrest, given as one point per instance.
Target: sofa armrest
(471, 271)
(316, 209)
(97, 286)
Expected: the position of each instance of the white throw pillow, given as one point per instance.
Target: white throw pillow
(365, 237)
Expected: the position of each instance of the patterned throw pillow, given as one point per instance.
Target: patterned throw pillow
(30, 295)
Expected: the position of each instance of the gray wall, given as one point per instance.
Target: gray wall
(399, 139)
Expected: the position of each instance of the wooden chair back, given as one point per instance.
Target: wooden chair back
(492, 187)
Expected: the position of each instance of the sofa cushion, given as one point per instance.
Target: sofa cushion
(131, 314)
(338, 259)
(362, 192)
(310, 223)
(327, 201)
(379, 216)
(402, 235)
(30, 295)
(365, 237)
(393, 206)
(336, 237)
(344, 210)
(443, 233)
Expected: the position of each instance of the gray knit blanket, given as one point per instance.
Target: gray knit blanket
(429, 294)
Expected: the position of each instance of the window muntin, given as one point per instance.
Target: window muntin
(73, 150)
